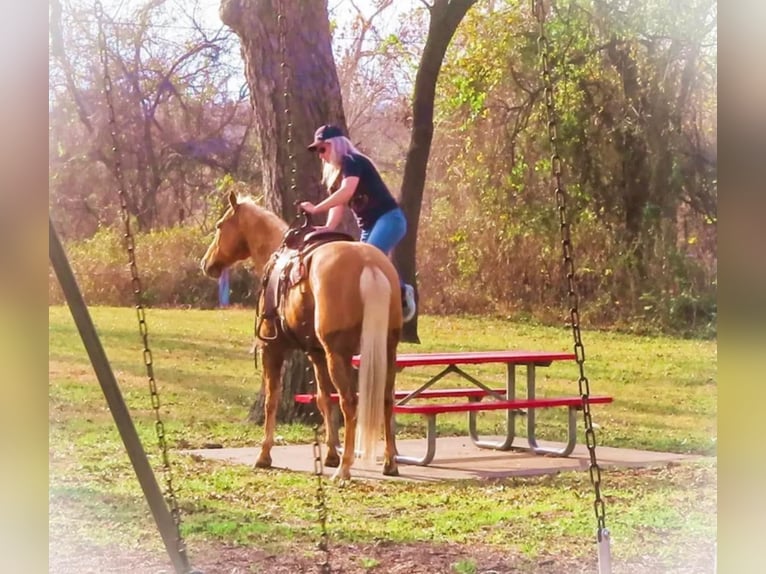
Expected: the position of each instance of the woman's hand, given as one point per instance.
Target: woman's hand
(308, 207)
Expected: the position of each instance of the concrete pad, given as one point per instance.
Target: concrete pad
(456, 458)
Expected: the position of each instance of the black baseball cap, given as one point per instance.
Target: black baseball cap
(325, 133)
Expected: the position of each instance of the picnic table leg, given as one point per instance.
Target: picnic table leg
(510, 418)
(430, 448)
(532, 422)
(449, 369)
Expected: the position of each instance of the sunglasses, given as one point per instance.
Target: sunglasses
(321, 149)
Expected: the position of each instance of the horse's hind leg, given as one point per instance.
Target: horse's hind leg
(273, 356)
(324, 403)
(339, 367)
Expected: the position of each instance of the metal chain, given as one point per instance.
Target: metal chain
(286, 85)
(321, 501)
(136, 283)
(566, 242)
(321, 505)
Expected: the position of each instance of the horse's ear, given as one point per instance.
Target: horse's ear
(233, 199)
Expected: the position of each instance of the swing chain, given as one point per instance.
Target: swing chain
(321, 505)
(321, 501)
(136, 283)
(286, 84)
(539, 11)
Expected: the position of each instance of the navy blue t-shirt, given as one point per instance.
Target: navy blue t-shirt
(371, 198)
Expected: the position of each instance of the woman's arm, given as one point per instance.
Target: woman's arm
(334, 217)
(341, 197)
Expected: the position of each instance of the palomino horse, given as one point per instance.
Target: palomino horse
(345, 300)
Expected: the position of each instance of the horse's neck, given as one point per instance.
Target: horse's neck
(264, 236)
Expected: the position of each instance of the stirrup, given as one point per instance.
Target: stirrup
(408, 303)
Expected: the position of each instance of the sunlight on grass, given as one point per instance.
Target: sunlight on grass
(665, 399)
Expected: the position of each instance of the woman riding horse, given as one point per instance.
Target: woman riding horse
(343, 299)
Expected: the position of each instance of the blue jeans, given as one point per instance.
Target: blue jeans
(387, 231)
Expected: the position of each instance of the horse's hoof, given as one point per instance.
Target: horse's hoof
(332, 461)
(389, 470)
(341, 477)
(263, 463)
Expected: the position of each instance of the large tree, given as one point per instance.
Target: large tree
(445, 16)
(294, 88)
(286, 45)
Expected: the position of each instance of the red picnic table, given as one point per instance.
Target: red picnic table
(420, 400)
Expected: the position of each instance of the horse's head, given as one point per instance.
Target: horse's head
(230, 242)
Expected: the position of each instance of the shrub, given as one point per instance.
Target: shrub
(167, 264)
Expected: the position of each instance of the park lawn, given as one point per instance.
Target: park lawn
(665, 399)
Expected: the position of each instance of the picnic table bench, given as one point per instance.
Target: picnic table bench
(497, 399)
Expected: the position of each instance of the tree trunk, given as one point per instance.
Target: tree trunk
(313, 92)
(445, 17)
(297, 372)
(311, 97)
(633, 149)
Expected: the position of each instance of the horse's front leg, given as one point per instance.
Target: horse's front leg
(324, 403)
(272, 358)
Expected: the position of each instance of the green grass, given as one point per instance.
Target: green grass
(665, 399)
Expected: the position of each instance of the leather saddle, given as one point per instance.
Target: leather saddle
(287, 268)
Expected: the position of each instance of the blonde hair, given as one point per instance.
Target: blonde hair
(340, 147)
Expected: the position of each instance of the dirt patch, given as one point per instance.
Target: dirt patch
(381, 558)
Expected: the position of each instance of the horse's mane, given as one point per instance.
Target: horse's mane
(247, 199)
(262, 217)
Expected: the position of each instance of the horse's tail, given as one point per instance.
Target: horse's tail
(375, 290)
